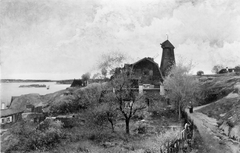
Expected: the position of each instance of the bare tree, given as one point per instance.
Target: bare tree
(182, 87)
(124, 99)
(111, 60)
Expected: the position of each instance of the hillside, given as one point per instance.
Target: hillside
(226, 109)
(38, 100)
(57, 100)
(215, 88)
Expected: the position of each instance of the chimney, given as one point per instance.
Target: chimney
(3, 105)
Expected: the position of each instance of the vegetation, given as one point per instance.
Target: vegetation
(86, 77)
(28, 138)
(78, 100)
(217, 88)
(181, 87)
(110, 61)
(199, 73)
(104, 72)
(124, 99)
(217, 68)
(107, 116)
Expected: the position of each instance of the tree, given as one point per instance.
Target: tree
(182, 87)
(104, 72)
(237, 69)
(199, 73)
(86, 77)
(111, 60)
(106, 112)
(217, 68)
(124, 100)
(96, 76)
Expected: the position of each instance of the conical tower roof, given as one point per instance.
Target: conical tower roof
(167, 44)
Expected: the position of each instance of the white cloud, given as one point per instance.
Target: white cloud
(40, 38)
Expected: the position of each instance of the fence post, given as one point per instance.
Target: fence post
(177, 146)
(168, 147)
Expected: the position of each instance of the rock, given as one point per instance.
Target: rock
(108, 144)
(235, 132)
(221, 115)
(232, 95)
(225, 128)
(219, 122)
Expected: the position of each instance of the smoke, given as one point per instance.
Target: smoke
(43, 38)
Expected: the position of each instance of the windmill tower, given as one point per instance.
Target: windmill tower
(168, 57)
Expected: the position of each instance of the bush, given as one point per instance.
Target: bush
(199, 73)
(142, 127)
(142, 114)
(42, 138)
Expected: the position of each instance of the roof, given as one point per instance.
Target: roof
(12, 99)
(167, 43)
(8, 112)
(76, 83)
(226, 70)
(146, 58)
(151, 60)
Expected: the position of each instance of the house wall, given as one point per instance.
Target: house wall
(7, 119)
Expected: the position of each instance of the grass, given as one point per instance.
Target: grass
(198, 144)
(85, 139)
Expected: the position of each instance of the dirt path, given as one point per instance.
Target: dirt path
(207, 127)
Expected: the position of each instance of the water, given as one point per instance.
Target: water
(12, 89)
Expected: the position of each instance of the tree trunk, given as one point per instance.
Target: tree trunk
(179, 111)
(127, 120)
(112, 126)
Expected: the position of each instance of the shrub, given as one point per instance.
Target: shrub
(142, 127)
(42, 138)
(199, 73)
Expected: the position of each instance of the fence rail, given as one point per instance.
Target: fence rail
(182, 143)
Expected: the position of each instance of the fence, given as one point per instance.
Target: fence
(182, 143)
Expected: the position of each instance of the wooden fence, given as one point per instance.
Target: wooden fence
(182, 143)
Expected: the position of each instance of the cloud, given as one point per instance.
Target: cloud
(40, 38)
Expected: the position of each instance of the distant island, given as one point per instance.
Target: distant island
(21, 80)
(29, 80)
(33, 86)
(64, 81)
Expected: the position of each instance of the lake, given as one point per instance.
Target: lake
(8, 90)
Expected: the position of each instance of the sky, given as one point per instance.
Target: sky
(59, 39)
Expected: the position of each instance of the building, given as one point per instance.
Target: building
(145, 72)
(33, 113)
(226, 70)
(10, 116)
(78, 83)
(168, 57)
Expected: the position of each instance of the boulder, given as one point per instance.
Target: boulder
(235, 133)
(225, 128)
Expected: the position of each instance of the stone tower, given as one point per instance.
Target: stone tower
(168, 58)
